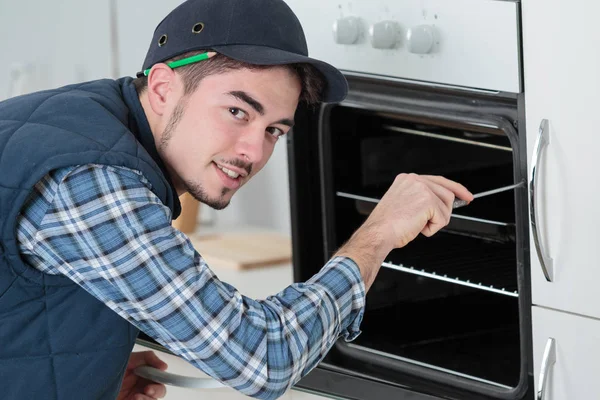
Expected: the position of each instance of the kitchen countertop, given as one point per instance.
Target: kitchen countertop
(257, 283)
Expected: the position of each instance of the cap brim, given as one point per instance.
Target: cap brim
(337, 86)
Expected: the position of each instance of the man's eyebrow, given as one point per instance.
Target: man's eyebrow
(252, 102)
(285, 121)
(246, 98)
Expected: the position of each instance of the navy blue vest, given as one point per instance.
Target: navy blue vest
(56, 340)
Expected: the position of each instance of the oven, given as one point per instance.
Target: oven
(435, 88)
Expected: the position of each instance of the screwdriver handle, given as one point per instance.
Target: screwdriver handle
(459, 203)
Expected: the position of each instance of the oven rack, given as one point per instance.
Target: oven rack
(447, 138)
(510, 291)
(459, 260)
(454, 215)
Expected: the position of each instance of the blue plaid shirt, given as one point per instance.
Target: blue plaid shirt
(104, 228)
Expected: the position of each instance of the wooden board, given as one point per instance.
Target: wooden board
(244, 250)
(188, 219)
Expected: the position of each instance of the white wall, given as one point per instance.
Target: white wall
(52, 43)
(69, 41)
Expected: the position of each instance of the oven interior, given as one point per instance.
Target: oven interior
(447, 303)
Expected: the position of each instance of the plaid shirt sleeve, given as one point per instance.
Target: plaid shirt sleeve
(104, 228)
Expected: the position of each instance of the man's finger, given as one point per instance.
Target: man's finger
(156, 390)
(152, 360)
(438, 221)
(443, 193)
(459, 190)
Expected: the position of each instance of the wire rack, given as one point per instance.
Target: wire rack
(460, 260)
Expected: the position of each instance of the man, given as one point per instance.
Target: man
(91, 175)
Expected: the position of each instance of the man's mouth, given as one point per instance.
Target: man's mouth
(230, 173)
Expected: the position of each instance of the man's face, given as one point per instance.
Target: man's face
(218, 137)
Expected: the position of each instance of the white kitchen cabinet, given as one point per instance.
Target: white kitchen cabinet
(562, 86)
(572, 371)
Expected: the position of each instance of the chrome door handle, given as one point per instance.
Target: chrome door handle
(548, 360)
(545, 260)
(167, 378)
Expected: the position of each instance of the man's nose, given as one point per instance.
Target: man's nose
(251, 145)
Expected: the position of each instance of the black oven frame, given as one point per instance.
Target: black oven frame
(309, 200)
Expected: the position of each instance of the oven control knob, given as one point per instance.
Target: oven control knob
(383, 34)
(420, 39)
(346, 30)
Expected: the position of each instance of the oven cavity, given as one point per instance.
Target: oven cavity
(448, 303)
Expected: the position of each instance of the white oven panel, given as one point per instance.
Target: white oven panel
(468, 43)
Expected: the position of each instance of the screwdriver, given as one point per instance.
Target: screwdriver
(461, 203)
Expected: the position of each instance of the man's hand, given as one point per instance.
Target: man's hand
(416, 204)
(412, 205)
(137, 388)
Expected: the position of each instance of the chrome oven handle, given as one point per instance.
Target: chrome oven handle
(167, 378)
(545, 260)
(548, 360)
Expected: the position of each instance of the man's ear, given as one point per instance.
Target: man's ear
(161, 87)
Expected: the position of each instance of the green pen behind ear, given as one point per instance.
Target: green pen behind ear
(187, 60)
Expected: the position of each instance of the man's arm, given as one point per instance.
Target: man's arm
(102, 227)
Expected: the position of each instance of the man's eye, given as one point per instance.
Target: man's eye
(275, 132)
(237, 113)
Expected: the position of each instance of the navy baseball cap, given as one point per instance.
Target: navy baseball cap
(265, 32)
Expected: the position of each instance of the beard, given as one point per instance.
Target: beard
(196, 190)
